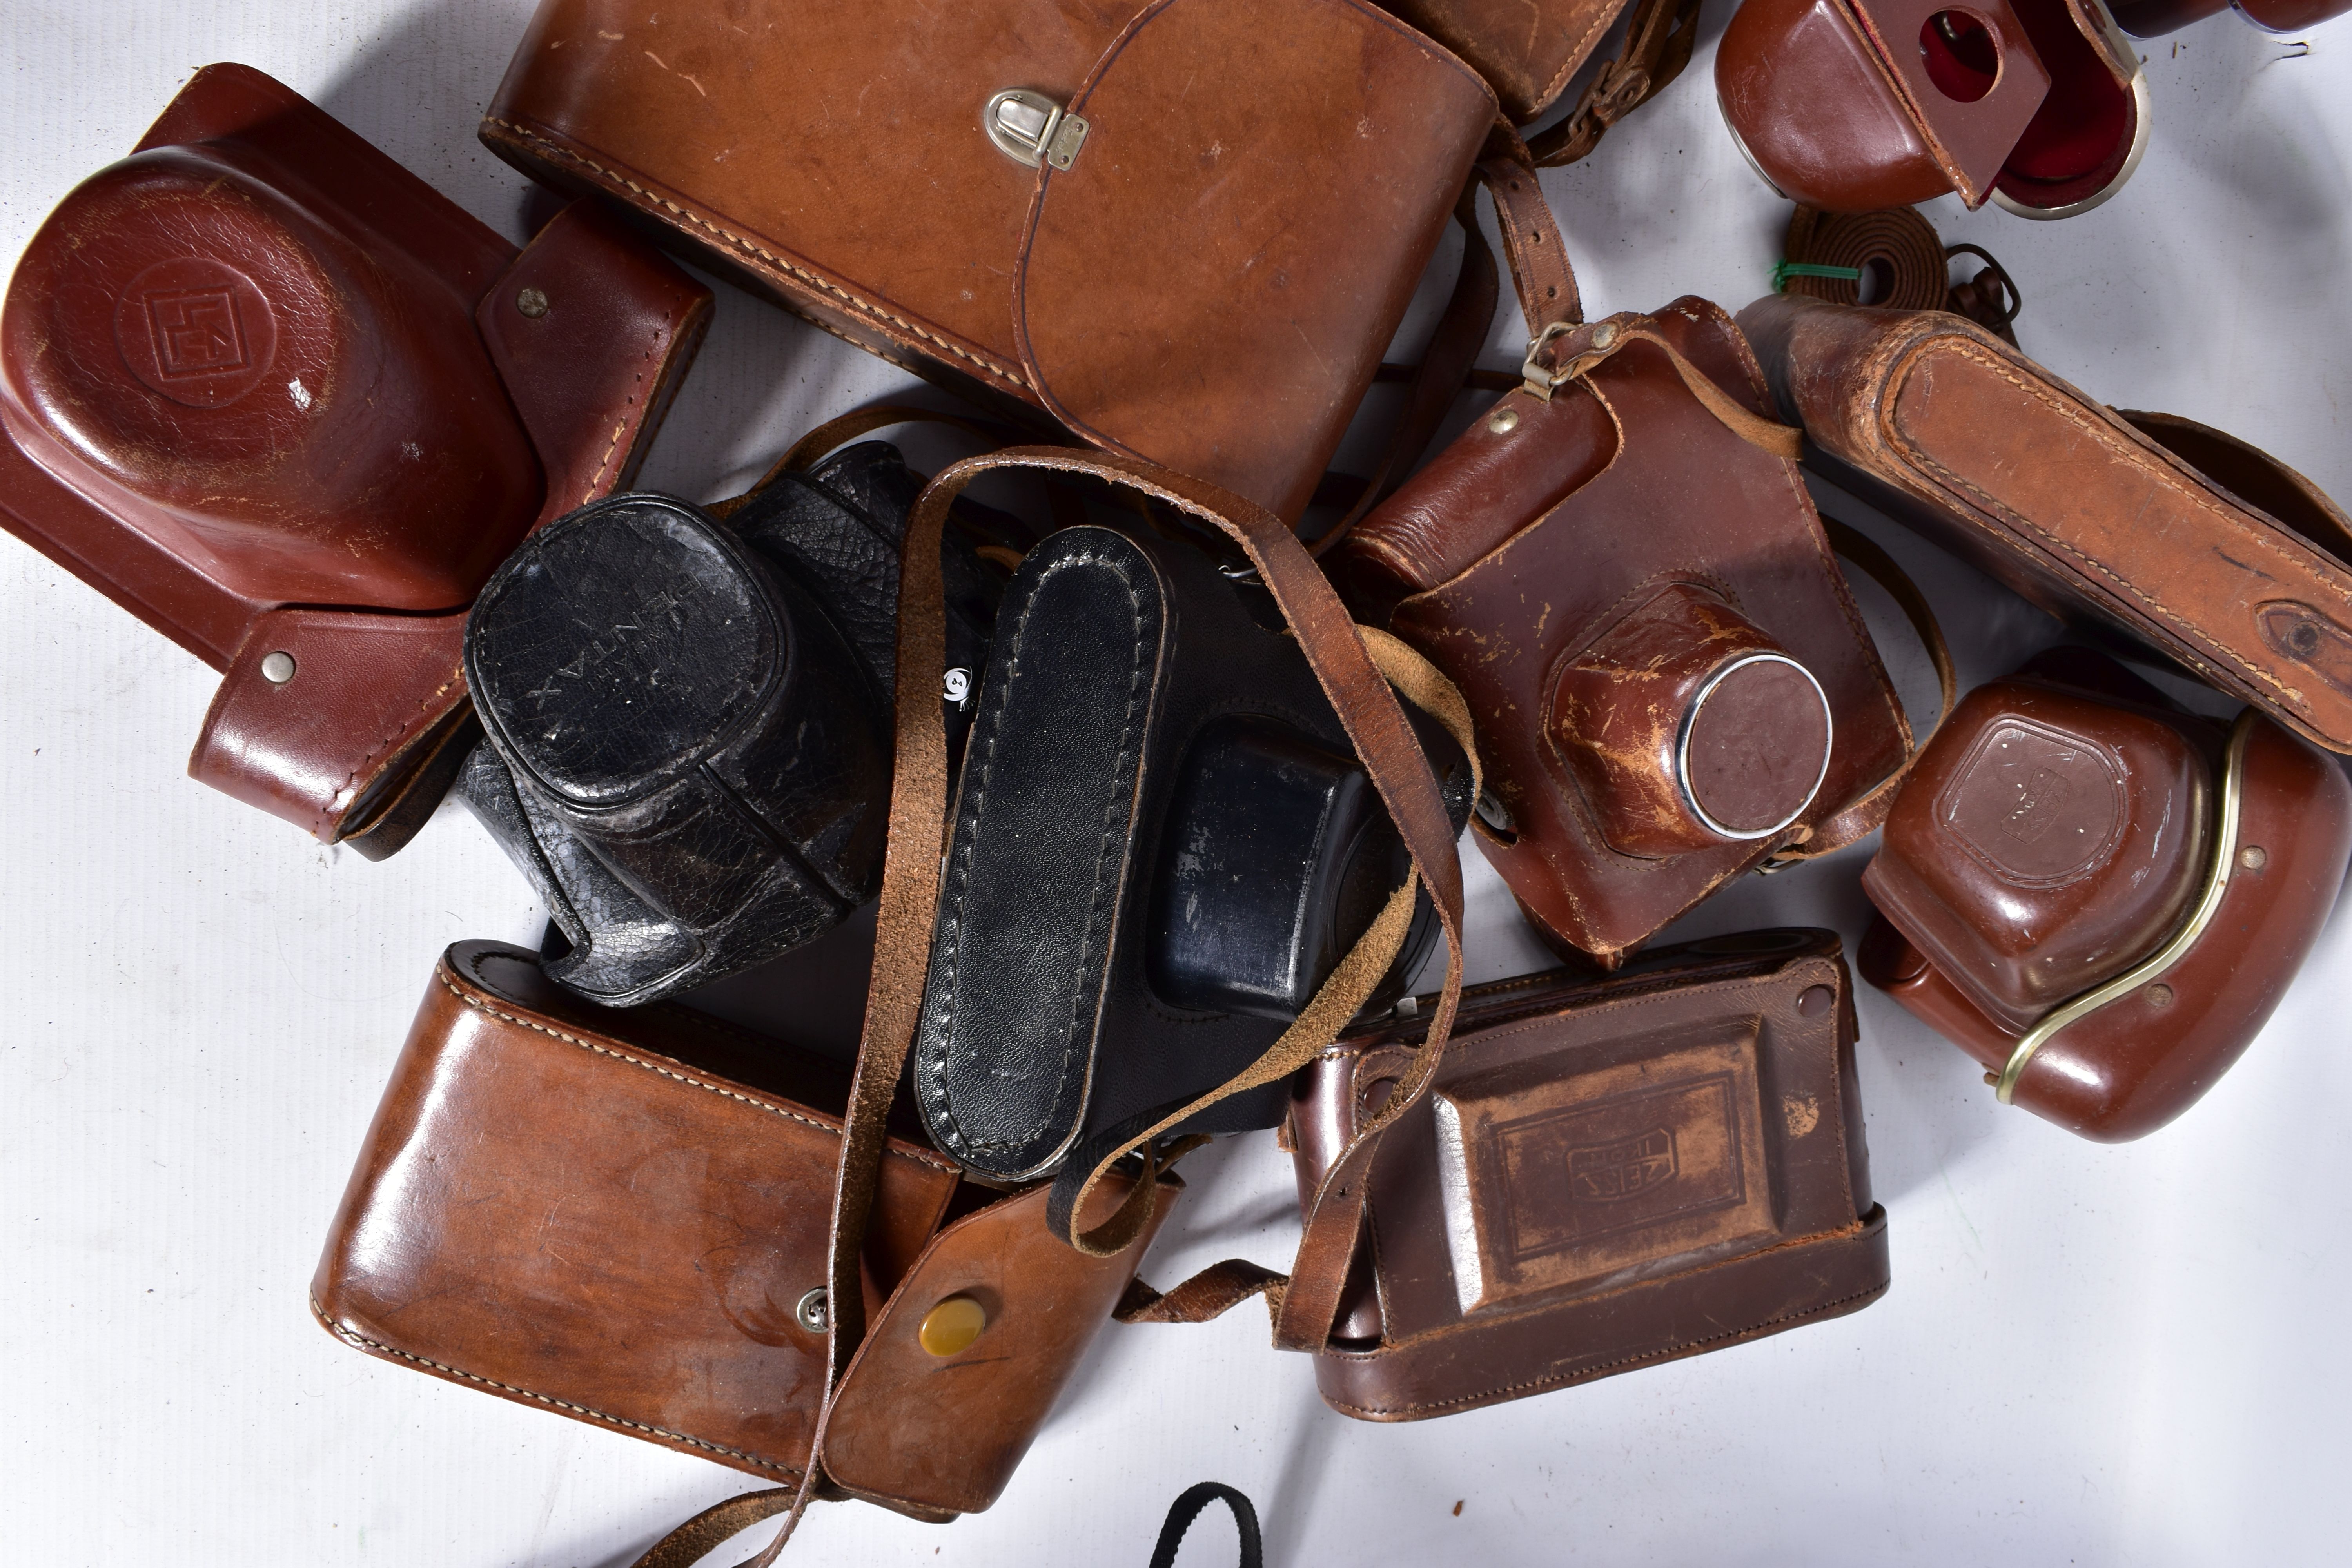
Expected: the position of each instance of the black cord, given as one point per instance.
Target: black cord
(1187, 1508)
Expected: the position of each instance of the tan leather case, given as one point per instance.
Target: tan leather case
(617, 1216)
(2089, 513)
(1527, 49)
(1608, 1173)
(1209, 284)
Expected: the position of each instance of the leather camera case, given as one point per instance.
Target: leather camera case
(1162, 845)
(279, 398)
(1205, 279)
(2099, 897)
(688, 747)
(1607, 1173)
(2187, 540)
(622, 1218)
(1853, 105)
(1527, 49)
(1669, 678)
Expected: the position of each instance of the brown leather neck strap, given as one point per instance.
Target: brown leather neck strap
(1658, 41)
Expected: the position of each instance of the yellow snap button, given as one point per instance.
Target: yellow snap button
(951, 1326)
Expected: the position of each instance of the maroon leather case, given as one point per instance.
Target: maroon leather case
(288, 405)
(2099, 897)
(1608, 1173)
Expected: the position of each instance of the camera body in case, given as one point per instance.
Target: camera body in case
(1608, 1172)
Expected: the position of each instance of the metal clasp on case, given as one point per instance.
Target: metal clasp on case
(1031, 129)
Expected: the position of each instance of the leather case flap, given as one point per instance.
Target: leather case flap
(1212, 283)
(945, 1431)
(553, 1207)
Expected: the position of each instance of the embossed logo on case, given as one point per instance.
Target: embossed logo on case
(2035, 804)
(1553, 1178)
(1606, 1173)
(195, 329)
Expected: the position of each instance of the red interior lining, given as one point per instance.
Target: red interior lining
(2082, 133)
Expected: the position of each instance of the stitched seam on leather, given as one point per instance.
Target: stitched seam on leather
(1578, 54)
(951, 946)
(2160, 473)
(1582, 1374)
(358, 1341)
(398, 732)
(745, 243)
(470, 1000)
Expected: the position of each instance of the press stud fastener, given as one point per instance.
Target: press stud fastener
(532, 302)
(814, 1311)
(1503, 421)
(2159, 996)
(951, 1326)
(278, 669)
(2253, 858)
(1604, 334)
(1815, 1002)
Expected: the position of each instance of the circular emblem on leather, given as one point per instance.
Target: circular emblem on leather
(2037, 805)
(195, 329)
(1756, 746)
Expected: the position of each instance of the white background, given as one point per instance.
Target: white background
(2102, 1355)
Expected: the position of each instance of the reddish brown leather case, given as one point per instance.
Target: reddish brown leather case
(1853, 105)
(619, 1218)
(276, 397)
(1581, 568)
(1207, 281)
(2184, 539)
(2064, 831)
(1608, 1173)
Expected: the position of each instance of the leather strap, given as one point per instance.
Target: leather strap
(1187, 1508)
(1868, 815)
(1541, 275)
(707, 1532)
(1560, 354)
(805, 453)
(1658, 41)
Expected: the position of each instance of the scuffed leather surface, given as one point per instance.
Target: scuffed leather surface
(1675, 497)
(1620, 1293)
(1527, 49)
(1184, 294)
(646, 866)
(2059, 498)
(285, 502)
(1040, 1023)
(690, 717)
(833, 157)
(656, 1298)
(1814, 107)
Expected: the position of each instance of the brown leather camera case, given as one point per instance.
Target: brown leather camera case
(1608, 1173)
(288, 405)
(1853, 105)
(1206, 278)
(1573, 566)
(620, 1217)
(2184, 539)
(2064, 831)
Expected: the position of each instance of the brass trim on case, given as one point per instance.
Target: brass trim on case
(2209, 903)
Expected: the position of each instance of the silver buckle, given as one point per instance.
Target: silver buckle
(1031, 129)
(1537, 381)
